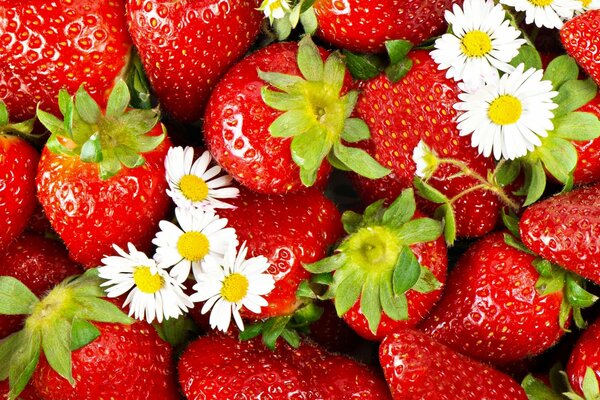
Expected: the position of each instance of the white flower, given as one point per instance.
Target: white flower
(234, 283)
(153, 293)
(587, 5)
(508, 115)
(482, 41)
(275, 9)
(203, 236)
(425, 160)
(193, 184)
(545, 13)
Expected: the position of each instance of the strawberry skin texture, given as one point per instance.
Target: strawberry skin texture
(491, 309)
(564, 229)
(125, 362)
(420, 107)
(579, 37)
(90, 215)
(18, 163)
(365, 25)
(588, 164)
(586, 353)
(290, 231)
(417, 367)
(28, 394)
(182, 65)
(48, 45)
(237, 121)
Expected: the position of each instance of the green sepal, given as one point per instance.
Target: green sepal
(507, 172)
(427, 282)
(309, 60)
(95, 309)
(576, 294)
(177, 331)
(283, 28)
(67, 108)
(91, 151)
(322, 279)
(355, 130)
(128, 157)
(428, 192)
(559, 157)
(590, 387)
(306, 291)
(309, 21)
(535, 182)
(511, 222)
(22, 129)
(363, 66)
(399, 70)
(560, 70)
(8, 346)
(308, 151)
(406, 272)
(446, 214)
(3, 114)
(574, 94)
(577, 126)
(370, 302)
(281, 81)
(394, 306)
(537, 390)
(578, 318)
(24, 362)
(397, 50)
(351, 221)
(337, 164)
(15, 297)
(86, 107)
(419, 230)
(328, 264)
(528, 56)
(347, 291)
(401, 210)
(374, 213)
(305, 5)
(139, 87)
(82, 333)
(56, 343)
(282, 101)
(118, 101)
(512, 242)
(359, 161)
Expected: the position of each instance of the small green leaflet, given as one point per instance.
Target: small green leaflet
(15, 297)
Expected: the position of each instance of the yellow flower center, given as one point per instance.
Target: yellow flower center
(586, 3)
(505, 110)
(193, 188)
(476, 44)
(146, 282)
(235, 288)
(541, 3)
(193, 246)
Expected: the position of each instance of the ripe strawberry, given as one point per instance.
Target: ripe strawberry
(588, 165)
(95, 186)
(28, 394)
(40, 264)
(563, 229)
(585, 358)
(290, 231)
(580, 39)
(417, 108)
(182, 65)
(250, 128)
(48, 45)
(416, 367)
(365, 25)
(219, 366)
(497, 307)
(331, 332)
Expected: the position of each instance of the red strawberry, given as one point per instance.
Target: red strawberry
(588, 165)
(416, 367)
(420, 108)
(290, 231)
(585, 360)
(96, 188)
(49, 45)
(497, 307)
(28, 394)
(331, 332)
(564, 229)
(250, 128)
(183, 65)
(580, 38)
(37, 262)
(365, 25)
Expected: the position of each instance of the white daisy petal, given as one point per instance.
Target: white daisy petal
(549, 14)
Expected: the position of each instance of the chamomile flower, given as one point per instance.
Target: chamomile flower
(587, 5)
(231, 284)
(275, 9)
(153, 294)
(200, 237)
(508, 115)
(193, 184)
(545, 13)
(482, 41)
(425, 160)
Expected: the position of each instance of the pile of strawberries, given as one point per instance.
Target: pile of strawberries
(406, 255)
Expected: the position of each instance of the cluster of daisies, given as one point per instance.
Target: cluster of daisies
(198, 246)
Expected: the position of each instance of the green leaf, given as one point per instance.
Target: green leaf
(128, 157)
(86, 107)
(91, 151)
(398, 50)
(578, 318)
(374, 213)
(8, 347)
(148, 143)
(348, 291)
(511, 222)
(427, 282)
(109, 166)
(322, 279)
(406, 272)
(56, 343)
(282, 101)
(309, 150)
(294, 16)
(283, 82)
(138, 85)
(577, 295)
(360, 161)
(428, 192)
(335, 163)
(291, 337)
(3, 114)
(291, 123)
(306, 315)
(395, 307)
(272, 330)
(559, 157)
(306, 4)
(282, 28)
(349, 101)
(94, 309)
(398, 71)
(507, 172)
(544, 267)
(305, 291)
(401, 210)
(537, 390)
(363, 66)
(24, 362)
(335, 71)
(421, 230)
(514, 243)
(370, 303)
(252, 331)
(178, 331)
(118, 100)
(528, 56)
(535, 182)
(67, 108)
(574, 94)
(328, 264)
(355, 130)
(82, 333)
(445, 212)
(351, 221)
(561, 70)
(50, 122)
(15, 297)
(309, 60)
(309, 21)
(590, 384)
(577, 126)
(564, 314)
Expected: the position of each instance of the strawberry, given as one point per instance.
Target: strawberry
(48, 45)
(419, 107)
(579, 37)
(40, 264)
(331, 332)
(250, 127)
(365, 25)
(95, 186)
(417, 367)
(588, 165)
(28, 394)
(182, 65)
(388, 270)
(563, 229)
(498, 308)
(583, 368)
(290, 231)
(219, 366)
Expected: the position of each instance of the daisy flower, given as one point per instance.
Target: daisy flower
(545, 13)
(200, 236)
(153, 294)
(275, 9)
(587, 5)
(482, 41)
(194, 185)
(508, 115)
(425, 160)
(233, 283)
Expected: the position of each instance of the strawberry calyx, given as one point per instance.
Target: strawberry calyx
(560, 387)
(113, 139)
(375, 263)
(396, 64)
(21, 129)
(56, 325)
(553, 278)
(302, 12)
(317, 116)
